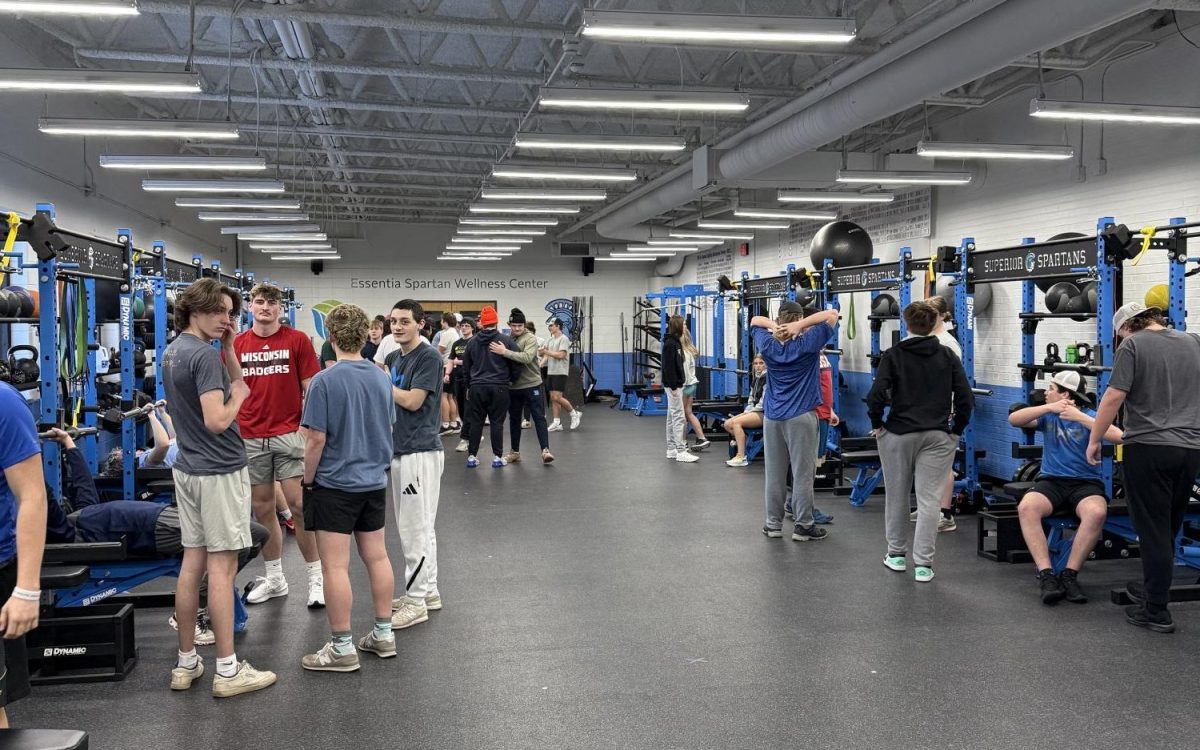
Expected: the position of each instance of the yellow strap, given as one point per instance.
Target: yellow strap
(14, 223)
(1147, 236)
(930, 275)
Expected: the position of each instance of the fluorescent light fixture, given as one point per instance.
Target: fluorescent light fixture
(680, 243)
(477, 254)
(952, 150)
(1111, 112)
(99, 81)
(564, 142)
(296, 247)
(297, 237)
(634, 258)
(180, 129)
(488, 248)
(235, 216)
(520, 208)
(272, 229)
(509, 222)
(643, 99)
(71, 7)
(222, 163)
(498, 230)
(543, 194)
(213, 186)
(655, 249)
(714, 29)
(493, 240)
(778, 213)
(597, 174)
(306, 258)
(269, 204)
(832, 196)
(468, 260)
(692, 234)
(910, 177)
(751, 225)
(652, 253)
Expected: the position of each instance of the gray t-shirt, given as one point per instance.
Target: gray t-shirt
(1157, 369)
(357, 451)
(445, 339)
(417, 431)
(559, 343)
(191, 368)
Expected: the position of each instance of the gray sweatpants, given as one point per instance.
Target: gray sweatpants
(926, 457)
(676, 426)
(790, 442)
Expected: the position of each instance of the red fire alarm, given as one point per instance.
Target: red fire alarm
(744, 249)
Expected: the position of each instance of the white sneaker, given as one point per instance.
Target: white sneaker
(685, 457)
(316, 592)
(409, 612)
(182, 677)
(576, 418)
(266, 588)
(462, 447)
(526, 424)
(671, 455)
(555, 426)
(204, 635)
(433, 602)
(246, 680)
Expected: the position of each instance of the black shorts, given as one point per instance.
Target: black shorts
(1065, 493)
(327, 509)
(14, 669)
(556, 383)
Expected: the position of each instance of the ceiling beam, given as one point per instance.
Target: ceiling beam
(368, 105)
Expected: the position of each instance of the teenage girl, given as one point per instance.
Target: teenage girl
(751, 417)
(690, 352)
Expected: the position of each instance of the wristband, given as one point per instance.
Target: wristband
(26, 595)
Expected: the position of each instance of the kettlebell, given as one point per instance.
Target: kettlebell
(1052, 357)
(25, 370)
(1084, 353)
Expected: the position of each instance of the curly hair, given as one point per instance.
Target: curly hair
(1143, 321)
(347, 327)
(204, 296)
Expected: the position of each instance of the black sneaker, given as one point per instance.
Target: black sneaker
(1070, 585)
(1136, 591)
(1159, 622)
(808, 533)
(1052, 588)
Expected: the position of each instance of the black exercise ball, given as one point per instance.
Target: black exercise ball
(1077, 304)
(884, 304)
(9, 305)
(844, 242)
(1059, 294)
(1045, 284)
(805, 297)
(25, 303)
(1089, 293)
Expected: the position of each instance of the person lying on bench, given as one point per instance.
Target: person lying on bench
(161, 456)
(150, 529)
(1066, 482)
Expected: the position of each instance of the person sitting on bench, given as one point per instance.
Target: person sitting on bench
(150, 529)
(752, 417)
(1066, 482)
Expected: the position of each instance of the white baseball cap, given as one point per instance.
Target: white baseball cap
(1068, 380)
(1131, 310)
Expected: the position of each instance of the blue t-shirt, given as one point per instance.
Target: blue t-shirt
(167, 462)
(794, 386)
(351, 402)
(18, 441)
(1064, 451)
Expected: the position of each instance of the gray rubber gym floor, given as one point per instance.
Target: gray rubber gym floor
(615, 600)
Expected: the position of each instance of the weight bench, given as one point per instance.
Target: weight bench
(651, 402)
(870, 474)
(629, 398)
(43, 739)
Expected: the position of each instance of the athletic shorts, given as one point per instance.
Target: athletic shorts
(343, 512)
(272, 459)
(556, 383)
(14, 669)
(214, 511)
(1066, 493)
(690, 390)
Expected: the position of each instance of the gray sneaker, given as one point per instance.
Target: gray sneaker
(382, 649)
(328, 660)
(246, 680)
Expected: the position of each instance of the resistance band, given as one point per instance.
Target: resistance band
(14, 223)
(1147, 238)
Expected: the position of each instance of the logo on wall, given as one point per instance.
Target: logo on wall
(564, 310)
(319, 311)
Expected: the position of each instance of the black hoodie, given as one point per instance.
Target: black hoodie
(920, 379)
(672, 362)
(481, 367)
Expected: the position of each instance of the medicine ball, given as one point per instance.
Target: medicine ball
(1158, 296)
(8, 304)
(139, 307)
(1059, 294)
(844, 242)
(1077, 304)
(884, 304)
(805, 297)
(25, 303)
(1045, 284)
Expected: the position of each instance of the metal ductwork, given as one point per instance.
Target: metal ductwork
(1004, 33)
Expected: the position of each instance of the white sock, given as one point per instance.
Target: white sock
(188, 659)
(314, 569)
(275, 569)
(227, 665)
(286, 512)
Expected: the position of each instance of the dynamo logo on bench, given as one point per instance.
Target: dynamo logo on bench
(71, 651)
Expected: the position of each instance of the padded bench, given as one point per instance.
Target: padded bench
(43, 739)
(64, 576)
(651, 402)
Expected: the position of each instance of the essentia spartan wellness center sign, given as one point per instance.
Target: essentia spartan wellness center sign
(464, 284)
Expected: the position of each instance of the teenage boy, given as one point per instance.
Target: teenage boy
(443, 340)
(1154, 377)
(1066, 482)
(212, 485)
(456, 380)
(791, 346)
(347, 439)
(558, 367)
(416, 478)
(526, 390)
(277, 365)
(488, 377)
(920, 380)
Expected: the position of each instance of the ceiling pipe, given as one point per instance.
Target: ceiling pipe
(978, 48)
